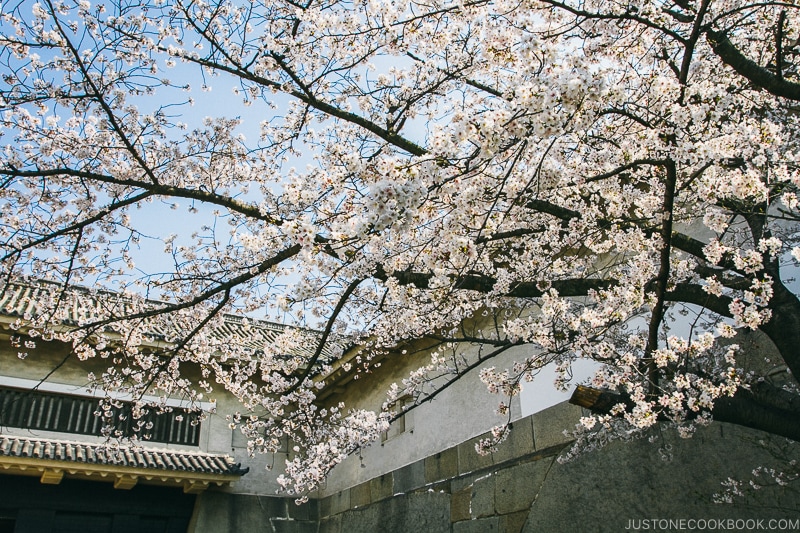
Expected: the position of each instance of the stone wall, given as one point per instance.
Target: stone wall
(466, 478)
(524, 489)
(224, 512)
(609, 490)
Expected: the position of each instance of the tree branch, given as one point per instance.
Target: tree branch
(745, 408)
(325, 335)
(485, 284)
(750, 70)
(662, 278)
(250, 210)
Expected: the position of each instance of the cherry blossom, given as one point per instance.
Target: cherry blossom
(572, 176)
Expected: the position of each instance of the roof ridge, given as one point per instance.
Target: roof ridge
(18, 300)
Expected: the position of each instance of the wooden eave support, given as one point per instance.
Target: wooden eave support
(596, 400)
(194, 487)
(125, 482)
(52, 476)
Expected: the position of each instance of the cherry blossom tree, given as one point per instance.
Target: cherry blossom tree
(598, 180)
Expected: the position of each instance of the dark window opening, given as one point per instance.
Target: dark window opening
(32, 409)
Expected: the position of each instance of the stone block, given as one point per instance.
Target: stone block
(668, 478)
(519, 442)
(549, 424)
(460, 505)
(340, 502)
(517, 487)
(293, 526)
(469, 460)
(331, 524)
(442, 465)
(482, 503)
(410, 477)
(360, 495)
(462, 482)
(324, 506)
(270, 506)
(212, 513)
(382, 487)
(514, 522)
(482, 525)
(428, 512)
(305, 511)
(422, 512)
(220, 511)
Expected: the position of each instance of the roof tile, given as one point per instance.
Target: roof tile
(77, 305)
(79, 452)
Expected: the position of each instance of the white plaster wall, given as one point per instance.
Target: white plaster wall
(463, 411)
(37, 370)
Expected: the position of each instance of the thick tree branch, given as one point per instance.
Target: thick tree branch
(662, 278)
(485, 284)
(691, 42)
(750, 70)
(745, 408)
(695, 294)
(779, 45)
(234, 205)
(204, 296)
(784, 326)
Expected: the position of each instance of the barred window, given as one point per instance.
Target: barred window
(33, 409)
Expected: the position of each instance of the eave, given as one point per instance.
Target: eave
(53, 460)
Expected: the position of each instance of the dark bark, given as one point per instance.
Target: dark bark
(662, 279)
(484, 284)
(745, 409)
(750, 70)
(765, 408)
(695, 294)
(766, 393)
(784, 326)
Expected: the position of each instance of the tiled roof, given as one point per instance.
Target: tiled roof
(98, 454)
(80, 305)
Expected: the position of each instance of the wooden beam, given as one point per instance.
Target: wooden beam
(194, 487)
(52, 476)
(125, 482)
(596, 400)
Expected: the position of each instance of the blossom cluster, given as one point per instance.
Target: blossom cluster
(592, 180)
